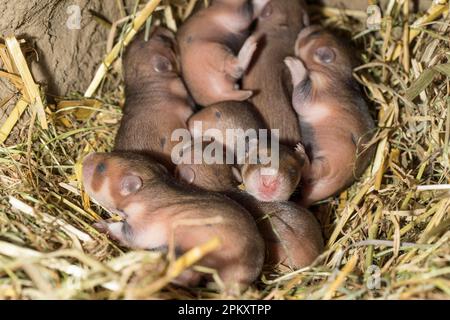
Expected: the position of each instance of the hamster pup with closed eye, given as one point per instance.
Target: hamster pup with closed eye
(216, 49)
(334, 117)
(156, 100)
(241, 116)
(277, 28)
(292, 234)
(154, 206)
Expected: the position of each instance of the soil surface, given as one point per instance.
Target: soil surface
(66, 56)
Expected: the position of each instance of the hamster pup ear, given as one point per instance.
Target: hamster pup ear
(186, 174)
(161, 64)
(325, 55)
(130, 184)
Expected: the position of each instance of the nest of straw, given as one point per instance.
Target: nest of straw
(387, 236)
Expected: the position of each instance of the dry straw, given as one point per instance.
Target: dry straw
(137, 23)
(18, 73)
(31, 89)
(387, 236)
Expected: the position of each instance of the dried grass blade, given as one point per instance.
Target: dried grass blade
(31, 87)
(138, 22)
(12, 119)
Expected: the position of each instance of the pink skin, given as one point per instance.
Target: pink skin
(333, 115)
(210, 66)
(265, 187)
(157, 102)
(291, 233)
(277, 29)
(268, 185)
(155, 209)
(243, 116)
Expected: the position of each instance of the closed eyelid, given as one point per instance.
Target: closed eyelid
(162, 64)
(325, 54)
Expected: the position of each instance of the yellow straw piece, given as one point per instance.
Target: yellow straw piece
(12, 119)
(434, 12)
(31, 88)
(5, 59)
(82, 109)
(14, 78)
(181, 264)
(170, 20)
(192, 256)
(138, 22)
(341, 277)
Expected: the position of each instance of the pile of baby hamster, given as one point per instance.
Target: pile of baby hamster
(238, 65)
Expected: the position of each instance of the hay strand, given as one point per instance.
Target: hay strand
(31, 88)
(137, 23)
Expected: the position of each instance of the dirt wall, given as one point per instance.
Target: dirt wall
(68, 51)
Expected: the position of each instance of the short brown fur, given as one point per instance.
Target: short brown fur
(291, 233)
(277, 29)
(243, 116)
(151, 202)
(157, 102)
(334, 117)
(216, 49)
